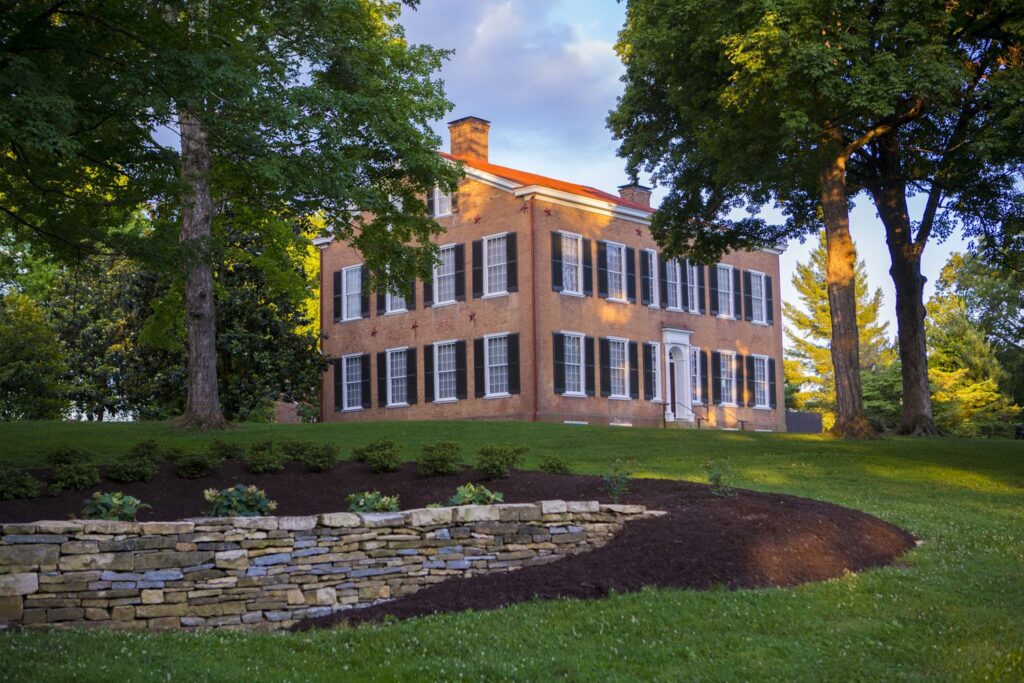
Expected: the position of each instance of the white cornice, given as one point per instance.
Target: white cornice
(599, 206)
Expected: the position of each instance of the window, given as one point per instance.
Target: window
(672, 289)
(757, 298)
(444, 372)
(652, 270)
(654, 360)
(618, 364)
(395, 303)
(725, 300)
(693, 286)
(727, 365)
(352, 382)
(616, 271)
(352, 286)
(695, 383)
(761, 382)
(495, 265)
(439, 203)
(398, 388)
(444, 276)
(572, 264)
(573, 347)
(496, 360)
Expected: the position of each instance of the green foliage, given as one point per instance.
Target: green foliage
(196, 465)
(16, 483)
(317, 457)
(372, 501)
(616, 482)
(114, 505)
(226, 450)
(717, 480)
(471, 494)
(138, 464)
(238, 501)
(554, 464)
(264, 457)
(383, 455)
(439, 459)
(74, 477)
(32, 361)
(497, 461)
(883, 396)
(68, 455)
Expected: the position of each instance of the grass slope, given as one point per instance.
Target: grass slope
(952, 612)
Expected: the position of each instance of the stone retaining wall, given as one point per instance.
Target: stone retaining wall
(269, 572)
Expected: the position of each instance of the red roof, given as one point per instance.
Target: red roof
(524, 179)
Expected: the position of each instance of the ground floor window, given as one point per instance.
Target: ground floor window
(761, 382)
(695, 387)
(496, 358)
(398, 388)
(619, 368)
(728, 373)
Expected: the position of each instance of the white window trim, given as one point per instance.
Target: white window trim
(389, 352)
(657, 370)
(699, 385)
(487, 365)
(626, 396)
(345, 316)
(436, 303)
(437, 372)
(624, 271)
(722, 353)
(693, 275)
(676, 267)
(504, 292)
(579, 263)
(764, 297)
(732, 294)
(439, 193)
(583, 363)
(345, 408)
(394, 311)
(655, 277)
(767, 382)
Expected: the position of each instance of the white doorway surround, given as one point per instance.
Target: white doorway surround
(678, 392)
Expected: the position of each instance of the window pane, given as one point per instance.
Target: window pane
(619, 369)
(616, 261)
(761, 382)
(442, 203)
(444, 277)
(497, 281)
(353, 292)
(725, 291)
(693, 286)
(728, 378)
(652, 268)
(445, 370)
(497, 365)
(672, 278)
(396, 377)
(695, 375)
(571, 264)
(353, 372)
(757, 296)
(573, 364)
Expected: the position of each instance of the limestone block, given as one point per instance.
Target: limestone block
(152, 597)
(112, 561)
(162, 528)
(122, 613)
(28, 555)
(96, 614)
(58, 527)
(65, 614)
(623, 509)
(18, 584)
(79, 547)
(553, 507)
(170, 558)
(11, 608)
(429, 516)
(303, 523)
(377, 520)
(164, 623)
(476, 513)
(108, 526)
(582, 506)
(231, 559)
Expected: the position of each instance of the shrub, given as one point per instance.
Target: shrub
(114, 505)
(263, 457)
(195, 465)
(716, 480)
(239, 501)
(226, 450)
(138, 464)
(16, 483)
(317, 457)
(66, 455)
(616, 483)
(471, 494)
(383, 455)
(497, 461)
(372, 501)
(438, 459)
(554, 464)
(74, 477)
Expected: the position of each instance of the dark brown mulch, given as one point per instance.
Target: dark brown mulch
(749, 540)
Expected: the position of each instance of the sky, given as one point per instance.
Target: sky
(545, 74)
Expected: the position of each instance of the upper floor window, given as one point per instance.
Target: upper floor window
(672, 285)
(444, 276)
(725, 291)
(761, 397)
(727, 371)
(649, 278)
(757, 298)
(693, 286)
(616, 271)
(496, 365)
(439, 203)
(495, 265)
(395, 303)
(572, 264)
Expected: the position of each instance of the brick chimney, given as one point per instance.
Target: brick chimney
(636, 193)
(469, 137)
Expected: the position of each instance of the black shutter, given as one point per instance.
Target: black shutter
(410, 298)
(431, 211)
(478, 367)
(428, 290)
(511, 263)
(769, 301)
(700, 289)
(588, 357)
(588, 269)
(713, 282)
(716, 377)
(751, 389)
(460, 370)
(645, 279)
(381, 303)
(478, 268)
(338, 385)
(460, 272)
(556, 261)
(705, 387)
(737, 295)
(771, 382)
(558, 354)
(364, 298)
(630, 274)
(748, 301)
(337, 296)
(428, 373)
(649, 360)
(606, 372)
(663, 280)
(410, 376)
(634, 371)
(602, 270)
(382, 379)
(513, 363)
(684, 278)
(738, 383)
(365, 369)
(455, 201)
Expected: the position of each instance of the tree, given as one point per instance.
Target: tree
(31, 362)
(283, 111)
(810, 329)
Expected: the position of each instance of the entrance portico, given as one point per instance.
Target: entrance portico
(678, 392)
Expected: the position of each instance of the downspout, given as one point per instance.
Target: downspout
(323, 417)
(533, 287)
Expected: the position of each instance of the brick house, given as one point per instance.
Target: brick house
(551, 302)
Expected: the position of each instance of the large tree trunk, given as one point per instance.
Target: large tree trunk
(203, 407)
(851, 422)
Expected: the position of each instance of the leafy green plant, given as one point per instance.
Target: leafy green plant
(239, 501)
(616, 482)
(263, 457)
(226, 450)
(138, 464)
(316, 456)
(74, 477)
(716, 480)
(113, 505)
(497, 461)
(383, 455)
(471, 494)
(195, 465)
(15, 483)
(439, 459)
(372, 501)
(554, 464)
(66, 455)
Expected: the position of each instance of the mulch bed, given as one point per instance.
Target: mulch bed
(749, 540)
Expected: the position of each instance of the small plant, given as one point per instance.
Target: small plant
(383, 455)
(195, 465)
(226, 450)
(66, 455)
(471, 494)
(716, 480)
(497, 461)
(554, 464)
(74, 477)
(439, 459)
(372, 501)
(138, 464)
(317, 457)
(16, 483)
(239, 501)
(115, 505)
(263, 457)
(616, 483)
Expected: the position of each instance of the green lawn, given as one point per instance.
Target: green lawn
(954, 611)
